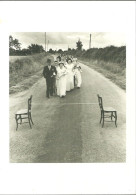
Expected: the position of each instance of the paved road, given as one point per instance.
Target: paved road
(68, 130)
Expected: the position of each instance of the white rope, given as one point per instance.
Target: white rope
(60, 103)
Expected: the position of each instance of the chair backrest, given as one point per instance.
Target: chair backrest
(100, 102)
(30, 104)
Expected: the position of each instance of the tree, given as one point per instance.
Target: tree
(14, 43)
(10, 41)
(79, 45)
(25, 52)
(34, 48)
(69, 51)
(51, 50)
(60, 51)
(14, 46)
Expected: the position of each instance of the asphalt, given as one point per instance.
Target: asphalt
(67, 130)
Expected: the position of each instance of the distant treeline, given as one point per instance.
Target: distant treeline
(15, 48)
(33, 49)
(110, 61)
(107, 54)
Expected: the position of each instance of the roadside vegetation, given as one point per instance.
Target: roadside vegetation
(25, 71)
(110, 61)
(25, 65)
(16, 50)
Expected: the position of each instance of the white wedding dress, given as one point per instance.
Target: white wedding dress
(61, 82)
(69, 77)
(78, 77)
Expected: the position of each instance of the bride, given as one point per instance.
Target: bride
(70, 75)
(61, 77)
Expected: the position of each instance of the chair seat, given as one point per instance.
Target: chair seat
(22, 111)
(24, 114)
(109, 109)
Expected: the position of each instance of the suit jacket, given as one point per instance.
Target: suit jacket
(48, 74)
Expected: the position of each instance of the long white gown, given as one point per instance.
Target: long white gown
(78, 77)
(61, 82)
(69, 77)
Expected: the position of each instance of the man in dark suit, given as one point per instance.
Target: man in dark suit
(49, 73)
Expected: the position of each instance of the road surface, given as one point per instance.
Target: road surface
(67, 130)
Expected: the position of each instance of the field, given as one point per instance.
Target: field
(24, 71)
(14, 58)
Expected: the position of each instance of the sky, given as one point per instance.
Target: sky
(63, 40)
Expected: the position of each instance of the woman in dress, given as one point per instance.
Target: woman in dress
(75, 63)
(70, 75)
(78, 78)
(61, 77)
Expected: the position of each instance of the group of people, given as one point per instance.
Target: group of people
(63, 76)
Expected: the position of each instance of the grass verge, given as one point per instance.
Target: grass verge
(112, 71)
(24, 72)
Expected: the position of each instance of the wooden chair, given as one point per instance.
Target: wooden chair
(107, 112)
(24, 114)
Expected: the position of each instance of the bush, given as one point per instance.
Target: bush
(108, 54)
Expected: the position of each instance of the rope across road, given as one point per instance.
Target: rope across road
(70, 103)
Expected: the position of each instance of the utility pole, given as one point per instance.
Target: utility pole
(45, 41)
(90, 42)
(47, 45)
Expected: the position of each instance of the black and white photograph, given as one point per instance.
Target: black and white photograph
(67, 97)
(68, 102)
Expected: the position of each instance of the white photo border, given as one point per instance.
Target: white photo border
(59, 178)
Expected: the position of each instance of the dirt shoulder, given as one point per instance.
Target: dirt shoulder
(26, 83)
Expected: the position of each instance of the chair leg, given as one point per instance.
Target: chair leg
(20, 119)
(16, 122)
(31, 119)
(111, 115)
(116, 118)
(102, 119)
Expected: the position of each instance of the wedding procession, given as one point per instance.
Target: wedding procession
(65, 96)
(62, 77)
(68, 119)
